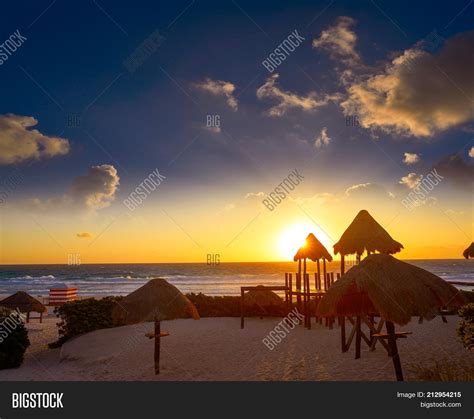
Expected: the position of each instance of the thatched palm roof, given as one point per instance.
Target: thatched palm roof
(396, 290)
(24, 302)
(469, 252)
(156, 297)
(313, 250)
(366, 234)
(262, 298)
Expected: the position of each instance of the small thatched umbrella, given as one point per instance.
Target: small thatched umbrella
(25, 303)
(314, 250)
(365, 234)
(393, 289)
(263, 298)
(156, 298)
(469, 252)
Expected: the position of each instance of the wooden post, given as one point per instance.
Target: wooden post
(342, 264)
(241, 308)
(305, 308)
(318, 275)
(342, 321)
(290, 286)
(392, 343)
(157, 344)
(358, 338)
(298, 286)
(324, 271)
(28, 317)
(41, 317)
(308, 300)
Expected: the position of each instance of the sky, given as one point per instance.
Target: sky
(186, 107)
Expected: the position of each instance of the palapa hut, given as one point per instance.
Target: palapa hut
(25, 303)
(262, 298)
(156, 298)
(394, 290)
(365, 234)
(313, 250)
(469, 252)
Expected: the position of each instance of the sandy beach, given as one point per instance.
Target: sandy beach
(217, 349)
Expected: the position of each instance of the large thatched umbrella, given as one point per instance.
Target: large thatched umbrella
(314, 250)
(393, 289)
(365, 234)
(25, 303)
(156, 298)
(469, 252)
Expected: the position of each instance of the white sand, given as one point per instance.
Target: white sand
(217, 349)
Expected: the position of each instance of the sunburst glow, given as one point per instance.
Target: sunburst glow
(292, 238)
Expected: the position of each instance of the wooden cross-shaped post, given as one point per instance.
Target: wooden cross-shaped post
(157, 334)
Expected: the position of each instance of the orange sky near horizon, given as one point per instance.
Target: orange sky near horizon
(247, 232)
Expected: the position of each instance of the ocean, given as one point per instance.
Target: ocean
(223, 279)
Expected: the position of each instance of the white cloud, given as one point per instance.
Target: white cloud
(339, 40)
(411, 158)
(454, 212)
(412, 180)
(84, 235)
(94, 190)
(317, 199)
(419, 93)
(254, 195)
(230, 206)
(288, 100)
(213, 130)
(323, 138)
(19, 143)
(220, 88)
(471, 152)
(366, 190)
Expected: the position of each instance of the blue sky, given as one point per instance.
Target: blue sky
(72, 64)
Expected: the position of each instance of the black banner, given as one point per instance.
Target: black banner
(244, 399)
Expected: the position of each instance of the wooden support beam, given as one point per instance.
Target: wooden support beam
(324, 272)
(317, 276)
(392, 342)
(342, 322)
(157, 345)
(358, 338)
(308, 301)
(342, 264)
(242, 293)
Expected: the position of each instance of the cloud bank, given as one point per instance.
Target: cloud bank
(19, 143)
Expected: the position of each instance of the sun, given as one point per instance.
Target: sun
(293, 237)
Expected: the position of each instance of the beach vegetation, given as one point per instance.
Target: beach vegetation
(229, 306)
(465, 329)
(13, 339)
(443, 370)
(83, 316)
